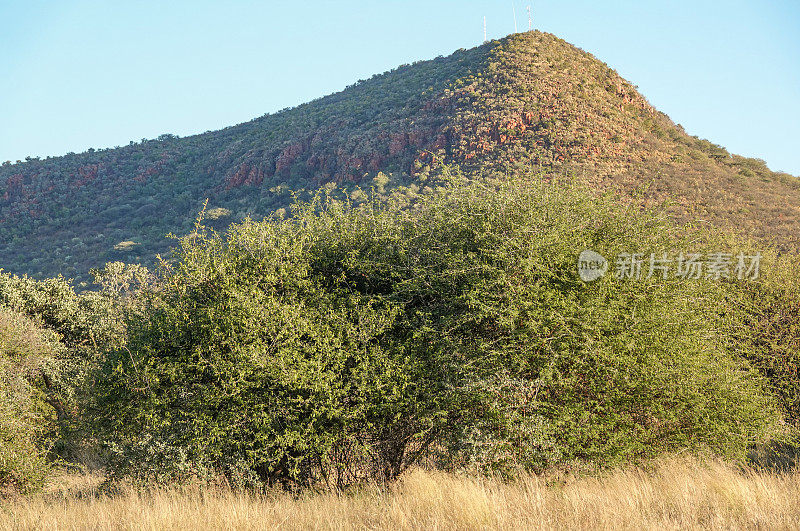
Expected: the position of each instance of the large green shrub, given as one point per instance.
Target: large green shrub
(346, 343)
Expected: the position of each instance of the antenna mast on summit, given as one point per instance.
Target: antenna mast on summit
(530, 18)
(484, 29)
(514, 10)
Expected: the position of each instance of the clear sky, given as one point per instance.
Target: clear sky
(80, 74)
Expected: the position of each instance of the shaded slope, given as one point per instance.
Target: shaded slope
(527, 100)
(66, 214)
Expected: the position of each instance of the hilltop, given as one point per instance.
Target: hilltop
(530, 100)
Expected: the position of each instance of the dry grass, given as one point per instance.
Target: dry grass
(676, 494)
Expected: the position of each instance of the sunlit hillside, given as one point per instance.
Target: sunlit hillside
(527, 101)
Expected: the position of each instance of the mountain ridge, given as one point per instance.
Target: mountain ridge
(528, 102)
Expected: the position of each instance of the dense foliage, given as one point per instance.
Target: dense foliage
(50, 342)
(771, 337)
(28, 356)
(348, 343)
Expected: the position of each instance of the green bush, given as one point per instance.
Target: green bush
(349, 342)
(769, 334)
(28, 354)
(76, 328)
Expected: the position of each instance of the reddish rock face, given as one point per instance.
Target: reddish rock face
(530, 100)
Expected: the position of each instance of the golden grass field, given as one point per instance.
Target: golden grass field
(674, 494)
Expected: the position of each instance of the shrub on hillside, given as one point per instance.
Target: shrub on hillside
(347, 343)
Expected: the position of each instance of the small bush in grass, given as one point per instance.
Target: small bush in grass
(346, 343)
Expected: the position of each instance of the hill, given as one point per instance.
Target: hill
(528, 100)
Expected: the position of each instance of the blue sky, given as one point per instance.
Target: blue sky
(81, 74)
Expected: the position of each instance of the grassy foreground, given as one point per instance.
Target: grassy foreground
(675, 494)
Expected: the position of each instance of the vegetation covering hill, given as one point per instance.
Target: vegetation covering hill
(529, 100)
(421, 305)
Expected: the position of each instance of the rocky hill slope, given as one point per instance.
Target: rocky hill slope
(528, 101)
